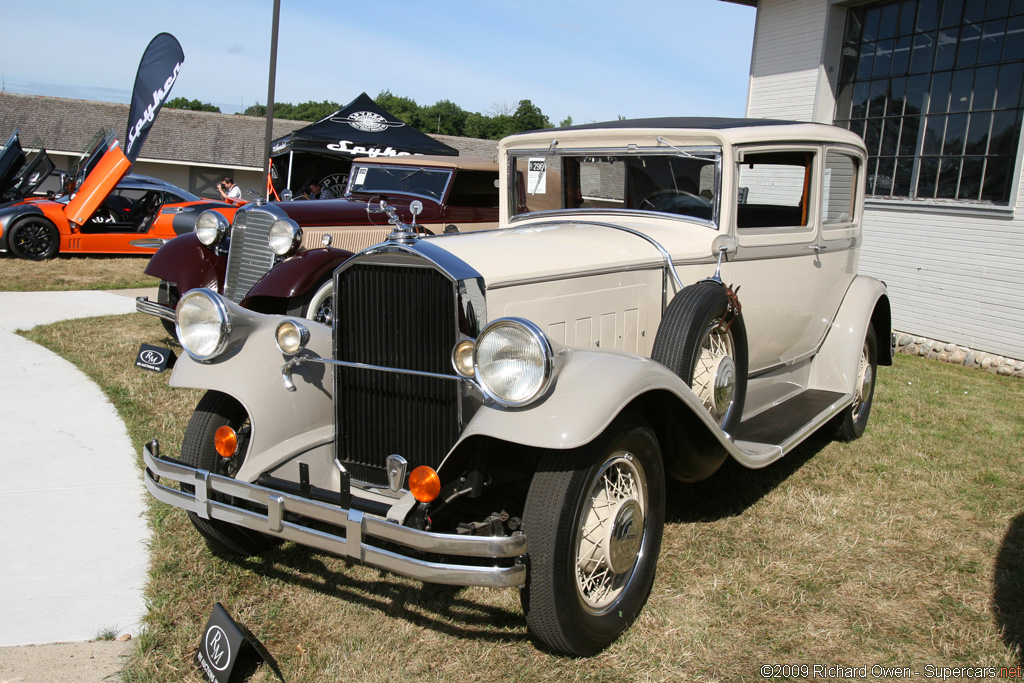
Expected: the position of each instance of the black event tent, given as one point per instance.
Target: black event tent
(324, 150)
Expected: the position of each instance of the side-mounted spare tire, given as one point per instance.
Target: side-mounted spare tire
(702, 339)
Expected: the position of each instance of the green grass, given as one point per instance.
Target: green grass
(74, 273)
(904, 548)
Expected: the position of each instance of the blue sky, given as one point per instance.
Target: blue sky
(592, 60)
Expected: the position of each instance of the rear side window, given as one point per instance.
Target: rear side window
(837, 202)
(474, 188)
(774, 189)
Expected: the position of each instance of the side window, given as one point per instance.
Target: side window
(474, 188)
(838, 198)
(774, 190)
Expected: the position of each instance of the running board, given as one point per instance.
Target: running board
(769, 435)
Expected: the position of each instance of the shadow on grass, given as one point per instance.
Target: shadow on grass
(734, 488)
(433, 606)
(1008, 587)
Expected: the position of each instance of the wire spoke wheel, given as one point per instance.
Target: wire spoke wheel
(594, 518)
(714, 372)
(611, 531)
(705, 352)
(850, 423)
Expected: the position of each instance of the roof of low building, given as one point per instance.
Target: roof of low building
(179, 135)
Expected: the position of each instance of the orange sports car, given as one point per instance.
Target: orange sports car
(101, 210)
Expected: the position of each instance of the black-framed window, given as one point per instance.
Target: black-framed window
(934, 88)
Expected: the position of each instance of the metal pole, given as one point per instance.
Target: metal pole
(269, 135)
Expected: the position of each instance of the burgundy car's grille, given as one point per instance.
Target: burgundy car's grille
(249, 256)
(396, 317)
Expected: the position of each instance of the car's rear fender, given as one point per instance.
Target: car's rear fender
(296, 275)
(835, 366)
(189, 264)
(592, 388)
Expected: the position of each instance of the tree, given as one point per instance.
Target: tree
(444, 118)
(257, 109)
(498, 109)
(528, 116)
(311, 111)
(404, 109)
(567, 121)
(190, 105)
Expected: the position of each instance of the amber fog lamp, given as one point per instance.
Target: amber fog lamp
(462, 357)
(225, 440)
(292, 337)
(424, 484)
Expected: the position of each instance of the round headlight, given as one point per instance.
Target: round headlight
(203, 324)
(210, 227)
(291, 337)
(513, 361)
(285, 236)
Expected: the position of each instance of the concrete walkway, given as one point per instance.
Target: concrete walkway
(73, 558)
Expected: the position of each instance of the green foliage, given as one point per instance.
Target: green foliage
(444, 117)
(191, 105)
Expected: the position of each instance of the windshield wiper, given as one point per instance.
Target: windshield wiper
(540, 176)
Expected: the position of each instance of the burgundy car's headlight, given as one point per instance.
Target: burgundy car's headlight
(285, 236)
(211, 227)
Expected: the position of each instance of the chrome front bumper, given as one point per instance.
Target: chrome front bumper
(144, 305)
(359, 527)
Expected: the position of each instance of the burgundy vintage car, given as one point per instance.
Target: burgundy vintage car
(278, 257)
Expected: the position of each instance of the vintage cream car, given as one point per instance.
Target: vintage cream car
(505, 408)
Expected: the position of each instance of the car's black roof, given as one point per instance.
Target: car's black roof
(699, 122)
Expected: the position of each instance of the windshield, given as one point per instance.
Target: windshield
(682, 182)
(422, 181)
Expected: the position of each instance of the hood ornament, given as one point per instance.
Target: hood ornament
(406, 233)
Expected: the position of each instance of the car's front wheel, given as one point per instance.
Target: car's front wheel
(318, 306)
(34, 238)
(216, 410)
(593, 519)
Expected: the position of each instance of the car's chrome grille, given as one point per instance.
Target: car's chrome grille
(249, 257)
(396, 317)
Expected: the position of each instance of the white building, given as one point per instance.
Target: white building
(935, 89)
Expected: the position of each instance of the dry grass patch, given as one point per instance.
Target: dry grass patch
(904, 548)
(74, 273)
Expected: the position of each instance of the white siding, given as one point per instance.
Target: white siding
(786, 60)
(955, 278)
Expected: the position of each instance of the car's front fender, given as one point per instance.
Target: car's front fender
(189, 264)
(592, 387)
(285, 423)
(296, 275)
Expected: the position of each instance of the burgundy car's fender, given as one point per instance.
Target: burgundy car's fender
(188, 263)
(295, 276)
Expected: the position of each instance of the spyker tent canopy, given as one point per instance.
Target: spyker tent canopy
(324, 150)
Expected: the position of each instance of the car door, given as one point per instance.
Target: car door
(100, 182)
(789, 281)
